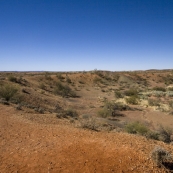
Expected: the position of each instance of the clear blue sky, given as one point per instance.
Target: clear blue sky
(72, 35)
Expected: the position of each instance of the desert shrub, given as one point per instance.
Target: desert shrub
(89, 122)
(160, 155)
(152, 102)
(8, 91)
(12, 78)
(92, 123)
(59, 76)
(111, 108)
(159, 89)
(67, 113)
(42, 86)
(171, 104)
(152, 135)
(97, 80)
(136, 128)
(71, 113)
(68, 80)
(64, 90)
(47, 76)
(81, 82)
(165, 134)
(132, 100)
(118, 94)
(170, 89)
(131, 92)
(104, 113)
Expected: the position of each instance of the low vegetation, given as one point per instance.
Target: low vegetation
(160, 156)
(63, 90)
(8, 91)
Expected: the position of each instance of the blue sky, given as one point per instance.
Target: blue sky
(74, 35)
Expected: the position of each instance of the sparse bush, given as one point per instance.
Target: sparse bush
(8, 91)
(97, 80)
(152, 102)
(42, 86)
(170, 89)
(68, 80)
(118, 94)
(160, 155)
(111, 109)
(159, 89)
(64, 90)
(136, 128)
(165, 134)
(132, 100)
(12, 78)
(131, 92)
(152, 135)
(71, 113)
(67, 113)
(59, 76)
(81, 82)
(89, 123)
(47, 76)
(104, 113)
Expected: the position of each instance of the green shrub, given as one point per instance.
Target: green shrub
(170, 89)
(111, 108)
(152, 102)
(97, 80)
(12, 78)
(67, 113)
(118, 94)
(165, 134)
(71, 113)
(42, 86)
(47, 76)
(152, 135)
(136, 128)
(104, 113)
(160, 155)
(8, 91)
(64, 90)
(132, 100)
(59, 76)
(159, 89)
(131, 92)
(68, 80)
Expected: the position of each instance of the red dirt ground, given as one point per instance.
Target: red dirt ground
(27, 146)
